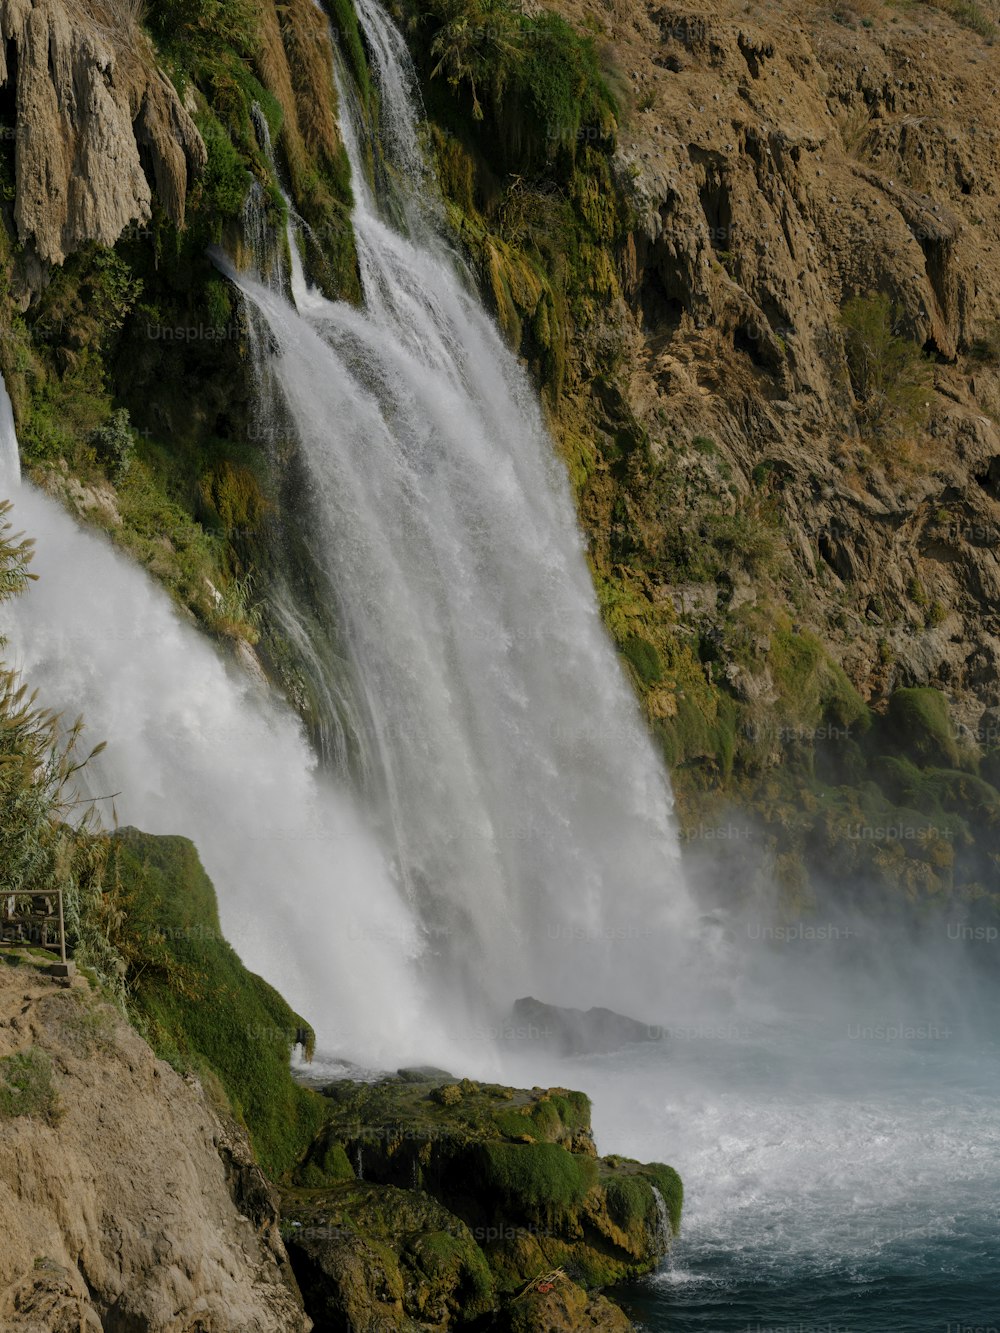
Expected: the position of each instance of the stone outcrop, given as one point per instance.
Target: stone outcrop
(125, 1202)
(784, 160)
(98, 127)
(426, 1203)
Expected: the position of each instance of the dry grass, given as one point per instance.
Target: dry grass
(981, 16)
(856, 132)
(118, 21)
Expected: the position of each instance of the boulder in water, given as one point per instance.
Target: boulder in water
(576, 1031)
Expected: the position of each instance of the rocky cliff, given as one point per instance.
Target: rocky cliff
(752, 259)
(750, 256)
(787, 159)
(126, 1202)
(97, 126)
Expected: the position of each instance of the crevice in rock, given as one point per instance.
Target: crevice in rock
(989, 479)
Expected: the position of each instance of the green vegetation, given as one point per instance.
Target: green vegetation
(115, 444)
(532, 80)
(38, 763)
(533, 1183)
(917, 722)
(26, 1086)
(643, 658)
(668, 1182)
(969, 13)
(195, 1001)
(889, 374)
(986, 347)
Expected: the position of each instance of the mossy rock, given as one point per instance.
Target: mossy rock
(541, 1184)
(518, 1167)
(326, 1164)
(918, 724)
(361, 1250)
(200, 1007)
(560, 1306)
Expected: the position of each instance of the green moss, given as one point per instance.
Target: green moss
(918, 723)
(326, 1165)
(200, 1006)
(643, 658)
(630, 1201)
(533, 1182)
(345, 22)
(669, 1183)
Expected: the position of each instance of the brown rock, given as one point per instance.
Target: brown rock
(88, 97)
(118, 1181)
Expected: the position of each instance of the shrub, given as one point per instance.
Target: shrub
(38, 764)
(532, 79)
(917, 593)
(746, 539)
(199, 27)
(115, 444)
(986, 347)
(969, 13)
(888, 372)
(226, 179)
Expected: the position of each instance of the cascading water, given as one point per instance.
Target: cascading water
(524, 807)
(10, 461)
(830, 1180)
(195, 748)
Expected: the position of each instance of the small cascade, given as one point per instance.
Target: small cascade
(10, 458)
(664, 1231)
(262, 240)
(359, 1165)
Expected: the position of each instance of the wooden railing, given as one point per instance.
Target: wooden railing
(39, 925)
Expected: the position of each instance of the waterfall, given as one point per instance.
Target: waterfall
(664, 1231)
(523, 805)
(10, 461)
(196, 748)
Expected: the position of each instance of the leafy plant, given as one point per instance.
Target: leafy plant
(889, 374)
(115, 444)
(532, 79)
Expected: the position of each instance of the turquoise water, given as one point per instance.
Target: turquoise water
(948, 1285)
(841, 1165)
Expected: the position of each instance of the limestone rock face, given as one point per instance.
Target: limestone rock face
(98, 126)
(785, 159)
(124, 1201)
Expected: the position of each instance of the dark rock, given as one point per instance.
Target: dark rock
(425, 1074)
(576, 1031)
(373, 1257)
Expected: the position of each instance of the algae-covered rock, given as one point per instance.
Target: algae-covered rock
(516, 1168)
(369, 1256)
(559, 1305)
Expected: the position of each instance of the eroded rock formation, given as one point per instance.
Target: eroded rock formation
(98, 127)
(124, 1200)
